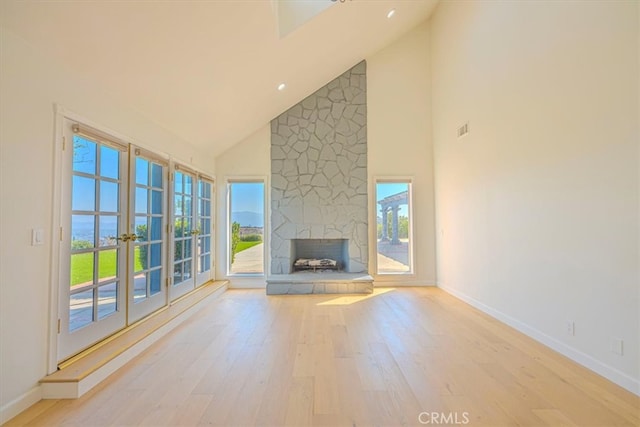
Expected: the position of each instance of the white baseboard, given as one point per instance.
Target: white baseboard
(612, 374)
(254, 283)
(390, 283)
(247, 282)
(20, 404)
(243, 282)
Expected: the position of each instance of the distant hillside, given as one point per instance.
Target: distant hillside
(248, 219)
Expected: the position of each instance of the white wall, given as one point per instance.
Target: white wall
(249, 158)
(399, 145)
(30, 84)
(538, 206)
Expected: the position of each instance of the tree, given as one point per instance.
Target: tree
(235, 238)
(403, 227)
(141, 232)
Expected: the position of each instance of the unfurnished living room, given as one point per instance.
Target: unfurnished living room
(320, 212)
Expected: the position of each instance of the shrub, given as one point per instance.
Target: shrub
(81, 244)
(251, 238)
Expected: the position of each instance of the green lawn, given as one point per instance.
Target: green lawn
(82, 266)
(245, 245)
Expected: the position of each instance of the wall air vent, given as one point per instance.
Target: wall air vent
(463, 130)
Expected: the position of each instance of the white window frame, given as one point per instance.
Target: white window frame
(265, 240)
(202, 278)
(162, 298)
(178, 290)
(392, 276)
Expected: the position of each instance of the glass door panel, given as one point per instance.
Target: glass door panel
(246, 231)
(146, 290)
(394, 231)
(183, 233)
(93, 282)
(204, 262)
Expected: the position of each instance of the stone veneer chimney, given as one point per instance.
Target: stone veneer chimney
(319, 172)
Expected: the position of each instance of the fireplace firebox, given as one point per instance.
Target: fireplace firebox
(319, 254)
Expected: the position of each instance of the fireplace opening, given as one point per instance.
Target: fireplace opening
(319, 255)
(315, 264)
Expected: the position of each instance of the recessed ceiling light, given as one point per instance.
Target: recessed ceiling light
(391, 13)
(281, 86)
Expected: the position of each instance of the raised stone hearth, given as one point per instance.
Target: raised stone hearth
(319, 283)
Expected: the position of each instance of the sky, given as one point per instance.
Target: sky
(384, 189)
(247, 197)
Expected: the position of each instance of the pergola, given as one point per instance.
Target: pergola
(392, 203)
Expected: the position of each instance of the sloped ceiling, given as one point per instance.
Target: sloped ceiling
(208, 70)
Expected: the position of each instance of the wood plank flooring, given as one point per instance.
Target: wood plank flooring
(397, 357)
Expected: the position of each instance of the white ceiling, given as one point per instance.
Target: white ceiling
(208, 70)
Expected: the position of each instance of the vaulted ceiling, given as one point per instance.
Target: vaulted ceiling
(209, 70)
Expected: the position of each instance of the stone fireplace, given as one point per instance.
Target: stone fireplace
(319, 183)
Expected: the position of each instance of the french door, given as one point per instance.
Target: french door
(147, 219)
(204, 250)
(185, 231)
(113, 241)
(192, 224)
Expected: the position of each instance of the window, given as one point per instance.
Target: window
(204, 261)
(192, 230)
(112, 252)
(246, 227)
(97, 265)
(394, 239)
(149, 218)
(148, 239)
(183, 228)
(124, 230)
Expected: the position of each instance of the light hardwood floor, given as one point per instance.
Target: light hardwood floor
(397, 357)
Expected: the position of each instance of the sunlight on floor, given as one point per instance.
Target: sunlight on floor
(350, 299)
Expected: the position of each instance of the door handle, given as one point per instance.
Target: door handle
(126, 237)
